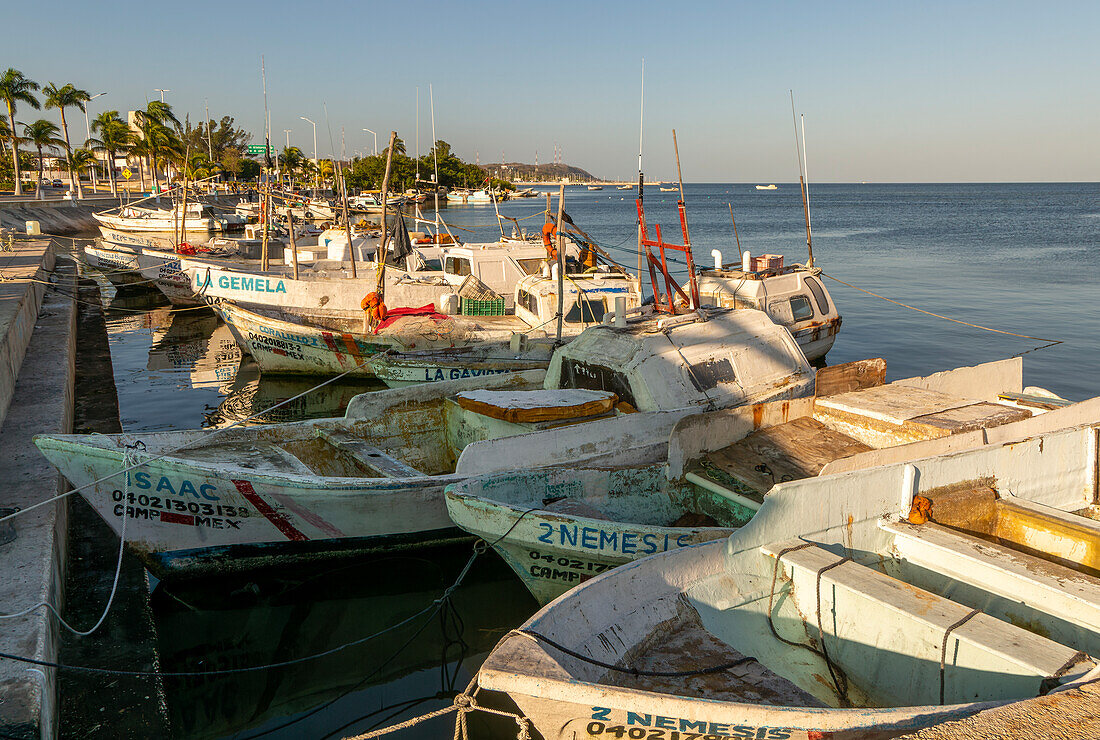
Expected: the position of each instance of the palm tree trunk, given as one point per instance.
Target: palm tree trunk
(14, 149)
(38, 185)
(69, 153)
(111, 172)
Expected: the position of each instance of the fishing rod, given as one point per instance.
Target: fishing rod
(802, 184)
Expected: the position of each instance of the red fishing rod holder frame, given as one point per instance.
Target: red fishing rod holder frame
(665, 302)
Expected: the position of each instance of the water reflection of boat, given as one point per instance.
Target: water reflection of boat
(196, 342)
(210, 626)
(249, 393)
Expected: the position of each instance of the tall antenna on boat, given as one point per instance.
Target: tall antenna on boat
(641, 178)
(435, 158)
(806, 169)
(802, 184)
(417, 139)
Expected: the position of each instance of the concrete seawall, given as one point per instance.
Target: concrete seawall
(38, 329)
(70, 217)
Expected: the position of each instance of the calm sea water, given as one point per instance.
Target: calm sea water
(1019, 258)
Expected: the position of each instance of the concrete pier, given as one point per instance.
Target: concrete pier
(36, 390)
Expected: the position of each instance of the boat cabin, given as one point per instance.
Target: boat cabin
(793, 295)
(500, 265)
(589, 297)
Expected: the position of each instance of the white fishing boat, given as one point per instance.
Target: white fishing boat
(200, 219)
(560, 527)
(625, 187)
(331, 287)
(374, 479)
(401, 369)
(793, 295)
(330, 342)
(767, 187)
(595, 187)
(469, 196)
(864, 604)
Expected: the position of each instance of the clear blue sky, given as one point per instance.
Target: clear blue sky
(891, 92)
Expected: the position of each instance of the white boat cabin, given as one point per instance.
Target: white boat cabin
(793, 295)
(500, 265)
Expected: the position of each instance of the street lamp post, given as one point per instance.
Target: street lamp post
(88, 126)
(161, 91)
(315, 162)
(375, 140)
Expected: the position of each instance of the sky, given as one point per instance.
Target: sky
(890, 92)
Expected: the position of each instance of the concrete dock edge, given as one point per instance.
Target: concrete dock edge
(41, 400)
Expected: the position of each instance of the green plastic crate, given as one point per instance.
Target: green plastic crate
(472, 307)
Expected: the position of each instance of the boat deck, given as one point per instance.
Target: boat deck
(842, 426)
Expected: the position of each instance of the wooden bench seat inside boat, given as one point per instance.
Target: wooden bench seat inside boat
(368, 455)
(1020, 578)
(889, 634)
(893, 414)
(537, 405)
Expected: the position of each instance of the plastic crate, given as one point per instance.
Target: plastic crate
(474, 307)
(762, 262)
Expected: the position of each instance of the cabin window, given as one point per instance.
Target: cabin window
(586, 311)
(432, 264)
(529, 301)
(457, 266)
(801, 308)
(819, 295)
(577, 374)
(707, 375)
(531, 266)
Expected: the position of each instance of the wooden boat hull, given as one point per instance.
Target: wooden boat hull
(120, 266)
(553, 551)
(413, 368)
(186, 516)
(896, 591)
(195, 225)
(162, 269)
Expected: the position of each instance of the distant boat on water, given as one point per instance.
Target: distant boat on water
(595, 187)
(767, 187)
(669, 190)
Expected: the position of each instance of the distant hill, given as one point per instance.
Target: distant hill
(529, 172)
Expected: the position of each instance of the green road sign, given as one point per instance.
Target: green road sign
(255, 150)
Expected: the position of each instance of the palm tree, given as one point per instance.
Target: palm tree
(15, 88)
(292, 159)
(67, 96)
(156, 136)
(114, 137)
(80, 161)
(42, 134)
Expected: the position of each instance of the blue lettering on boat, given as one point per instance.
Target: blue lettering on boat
(254, 284)
(722, 729)
(207, 491)
(588, 537)
(565, 529)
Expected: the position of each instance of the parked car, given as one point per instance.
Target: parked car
(58, 184)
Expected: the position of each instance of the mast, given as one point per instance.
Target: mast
(802, 185)
(418, 139)
(641, 227)
(806, 169)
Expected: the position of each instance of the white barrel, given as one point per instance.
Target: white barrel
(717, 255)
(448, 304)
(746, 261)
(620, 311)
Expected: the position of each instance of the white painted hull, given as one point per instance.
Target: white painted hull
(277, 289)
(903, 590)
(182, 515)
(414, 368)
(162, 269)
(554, 550)
(280, 346)
(120, 265)
(160, 224)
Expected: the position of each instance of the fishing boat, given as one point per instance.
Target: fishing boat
(794, 295)
(625, 187)
(331, 342)
(595, 187)
(864, 604)
(469, 196)
(201, 219)
(767, 187)
(374, 478)
(670, 190)
(721, 465)
(401, 369)
(498, 265)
